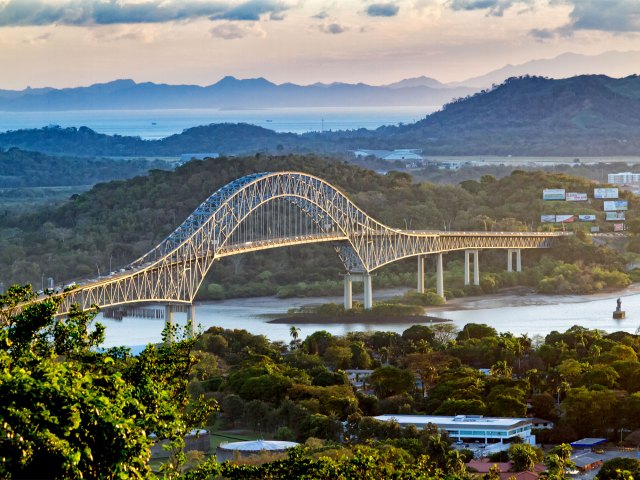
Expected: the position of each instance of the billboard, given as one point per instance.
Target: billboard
(614, 216)
(605, 193)
(613, 205)
(618, 227)
(565, 218)
(595, 229)
(547, 218)
(587, 218)
(554, 194)
(576, 197)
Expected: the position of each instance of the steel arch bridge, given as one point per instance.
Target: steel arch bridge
(268, 210)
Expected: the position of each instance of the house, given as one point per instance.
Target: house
(482, 466)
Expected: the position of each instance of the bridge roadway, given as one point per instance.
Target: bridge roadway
(246, 216)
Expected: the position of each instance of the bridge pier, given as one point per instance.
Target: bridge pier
(168, 321)
(420, 288)
(191, 317)
(476, 267)
(440, 276)
(510, 253)
(365, 278)
(368, 292)
(348, 292)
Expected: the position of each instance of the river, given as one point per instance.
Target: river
(531, 313)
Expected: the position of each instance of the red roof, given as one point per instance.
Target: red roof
(484, 465)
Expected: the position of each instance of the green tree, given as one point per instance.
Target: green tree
(615, 469)
(388, 381)
(70, 410)
(524, 457)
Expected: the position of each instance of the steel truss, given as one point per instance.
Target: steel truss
(174, 270)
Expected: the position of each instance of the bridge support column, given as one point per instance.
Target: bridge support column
(476, 267)
(348, 292)
(168, 321)
(368, 293)
(420, 287)
(191, 317)
(510, 253)
(439, 276)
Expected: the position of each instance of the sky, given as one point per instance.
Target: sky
(65, 43)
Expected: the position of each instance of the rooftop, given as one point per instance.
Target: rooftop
(457, 421)
(588, 442)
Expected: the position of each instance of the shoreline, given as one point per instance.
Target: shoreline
(361, 318)
(527, 298)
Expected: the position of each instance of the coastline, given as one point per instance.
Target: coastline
(511, 297)
(527, 297)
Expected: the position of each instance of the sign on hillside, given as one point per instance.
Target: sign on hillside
(553, 194)
(605, 193)
(614, 205)
(576, 197)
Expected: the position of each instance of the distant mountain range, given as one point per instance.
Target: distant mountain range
(230, 93)
(617, 64)
(584, 115)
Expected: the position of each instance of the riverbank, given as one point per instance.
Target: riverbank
(517, 311)
(526, 297)
(315, 319)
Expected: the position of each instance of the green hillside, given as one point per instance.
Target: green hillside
(584, 115)
(114, 223)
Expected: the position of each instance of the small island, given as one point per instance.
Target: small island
(409, 308)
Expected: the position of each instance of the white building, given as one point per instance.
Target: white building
(624, 178)
(470, 428)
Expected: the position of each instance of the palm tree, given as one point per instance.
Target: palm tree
(501, 369)
(294, 332)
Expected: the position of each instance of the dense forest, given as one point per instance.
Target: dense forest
(19, 168)
(71, 409)
(586, 115)
(114, 223)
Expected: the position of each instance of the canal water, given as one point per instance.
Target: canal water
(532, 314)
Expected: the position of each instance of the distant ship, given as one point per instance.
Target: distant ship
(153, 123)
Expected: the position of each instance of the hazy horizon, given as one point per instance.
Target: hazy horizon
(67, 43)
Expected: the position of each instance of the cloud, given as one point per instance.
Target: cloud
(38, 39)
(113, 12)
(615, 16)
(333, 28)
(495, 8)
(229, 31)
(252, 10)
(320, 15)
(382, 10)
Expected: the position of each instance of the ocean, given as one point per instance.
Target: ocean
(154, 124)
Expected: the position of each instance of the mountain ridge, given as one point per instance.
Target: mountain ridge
(228, 92)
(584, 115)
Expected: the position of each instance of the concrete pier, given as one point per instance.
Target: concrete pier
(510, 253)
(476, 267)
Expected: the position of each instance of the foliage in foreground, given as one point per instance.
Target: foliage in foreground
(71, 410)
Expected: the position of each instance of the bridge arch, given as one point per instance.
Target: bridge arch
(174, 270)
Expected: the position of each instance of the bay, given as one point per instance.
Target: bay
(155, 124)
(531, 314)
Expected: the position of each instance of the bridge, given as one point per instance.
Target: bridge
(278, 209)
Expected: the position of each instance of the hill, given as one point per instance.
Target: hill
(589, 115)
(229, 92)
(19, 168)
(114, 223)
(585, 115)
